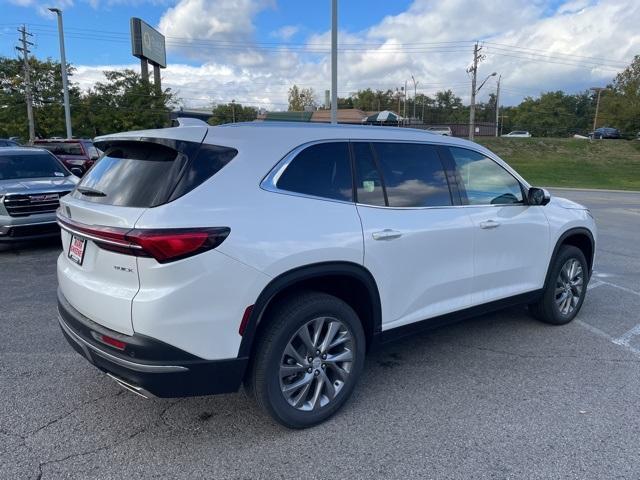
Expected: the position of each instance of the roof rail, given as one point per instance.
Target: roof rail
(188, 122)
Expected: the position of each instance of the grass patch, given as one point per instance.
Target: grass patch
(569, 162)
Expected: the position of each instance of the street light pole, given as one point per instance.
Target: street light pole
(334, 61)
(498, 104)
(63, 67)
(415, 94)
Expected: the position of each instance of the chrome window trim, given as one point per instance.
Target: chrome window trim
(269, 182)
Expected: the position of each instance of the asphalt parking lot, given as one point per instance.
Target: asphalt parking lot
(501, 396)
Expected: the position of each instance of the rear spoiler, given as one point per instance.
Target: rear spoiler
(188, 122)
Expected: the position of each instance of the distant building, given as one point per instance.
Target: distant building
(345, 115)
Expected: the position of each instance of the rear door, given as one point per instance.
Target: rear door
(417, 241)
(131, 177)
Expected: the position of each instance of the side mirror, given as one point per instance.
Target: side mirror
(77, 171)
(538, 196)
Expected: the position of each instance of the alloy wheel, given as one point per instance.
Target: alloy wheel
(316, 363)
(569, 286)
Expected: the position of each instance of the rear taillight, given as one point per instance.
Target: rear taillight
(165, 245)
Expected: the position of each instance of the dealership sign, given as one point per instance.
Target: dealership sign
(147, 43)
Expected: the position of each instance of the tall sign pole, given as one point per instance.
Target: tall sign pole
(334, 61)
(27, 80)
(149, 46)
(63, 67)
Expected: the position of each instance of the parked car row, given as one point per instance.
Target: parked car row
(78, 155)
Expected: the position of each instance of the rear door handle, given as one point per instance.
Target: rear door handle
(489, 224)
(386, 234)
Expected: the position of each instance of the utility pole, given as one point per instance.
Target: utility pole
(415, 94)
(334, 61)
(595, 118)
(27, 80)
(474, 73)
(63, 67)
(233, 111)
(498, 104)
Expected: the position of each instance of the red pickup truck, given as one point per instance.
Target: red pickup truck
(78, 155)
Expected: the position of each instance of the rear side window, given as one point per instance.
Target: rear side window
(413, 175)
(146, 174)
(321, 170)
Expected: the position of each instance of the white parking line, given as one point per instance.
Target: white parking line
(625, 339)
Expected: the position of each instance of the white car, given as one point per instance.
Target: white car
(445, 131)
(276, 255)
(518, 134)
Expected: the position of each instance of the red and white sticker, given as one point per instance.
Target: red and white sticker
(76, 249)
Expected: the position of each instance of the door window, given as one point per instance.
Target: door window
(369, 189)
(321, 170)
(413, 175)
(485, 182)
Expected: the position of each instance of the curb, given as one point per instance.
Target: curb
(594, 190)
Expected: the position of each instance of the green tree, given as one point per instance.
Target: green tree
(299, 98)
(122, 102)
(125, 102)
(230, 112)
(620, 103)
(48, 108)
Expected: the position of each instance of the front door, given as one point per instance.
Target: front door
(511, 238)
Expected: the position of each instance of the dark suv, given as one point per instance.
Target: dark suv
(74, 153)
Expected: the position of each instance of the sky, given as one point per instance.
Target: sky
(252, 51)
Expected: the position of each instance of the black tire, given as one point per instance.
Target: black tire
(547, 309)
(288, 317)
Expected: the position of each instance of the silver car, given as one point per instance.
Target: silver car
(32, 180)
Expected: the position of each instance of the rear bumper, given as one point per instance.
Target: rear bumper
(148, 366)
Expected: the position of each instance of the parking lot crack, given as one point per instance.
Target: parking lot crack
(67, 414)
(41, 465)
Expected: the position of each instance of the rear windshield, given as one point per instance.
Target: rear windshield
(145, 174)
(60, 148)
(32, 165)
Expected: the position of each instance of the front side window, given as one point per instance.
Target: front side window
(485, 182)
(321, 170)
(413, 175)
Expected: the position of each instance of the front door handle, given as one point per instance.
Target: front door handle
(489, 224)
(386, 234)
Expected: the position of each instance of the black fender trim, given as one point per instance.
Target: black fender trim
(308, 272)
(563, 237)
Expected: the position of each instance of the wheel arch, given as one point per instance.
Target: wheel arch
(579, 237)
(348, 281)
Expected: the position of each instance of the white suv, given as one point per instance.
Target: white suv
(276, 255)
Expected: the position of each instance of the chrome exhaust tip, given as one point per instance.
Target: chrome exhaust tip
(131, 388)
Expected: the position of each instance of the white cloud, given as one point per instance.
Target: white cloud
(286, 32)
(219, 35)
